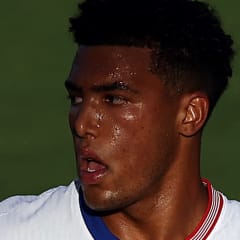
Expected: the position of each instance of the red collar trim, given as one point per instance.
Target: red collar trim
(211, 215)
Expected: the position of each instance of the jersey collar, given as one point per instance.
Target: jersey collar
(99, 230)
(94, 223)
(211, 215)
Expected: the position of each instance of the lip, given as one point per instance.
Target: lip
(91, 167)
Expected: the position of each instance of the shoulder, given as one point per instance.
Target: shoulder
(30, 202)
(54, 214)
(228, 226)
(231, 214)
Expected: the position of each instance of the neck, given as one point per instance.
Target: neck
(174, 210)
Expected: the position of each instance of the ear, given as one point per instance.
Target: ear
(194, 114)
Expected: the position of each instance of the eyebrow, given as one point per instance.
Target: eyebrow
(118, 85)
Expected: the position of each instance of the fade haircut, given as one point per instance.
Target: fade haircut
(190, 50)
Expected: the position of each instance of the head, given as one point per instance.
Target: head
(146, 77)
(190, 50)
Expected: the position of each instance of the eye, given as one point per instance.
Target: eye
(75, 99)
(115, 100)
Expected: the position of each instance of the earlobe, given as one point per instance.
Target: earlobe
(196, 112)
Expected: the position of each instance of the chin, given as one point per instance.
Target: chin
(104, 202)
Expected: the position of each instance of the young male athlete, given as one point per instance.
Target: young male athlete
(145, 79)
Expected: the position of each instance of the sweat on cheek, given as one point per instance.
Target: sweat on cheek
(133, 113)
(116, 134)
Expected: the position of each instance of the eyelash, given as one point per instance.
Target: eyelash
(110, 99)
(115, 100)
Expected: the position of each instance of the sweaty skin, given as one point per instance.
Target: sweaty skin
(132, 159)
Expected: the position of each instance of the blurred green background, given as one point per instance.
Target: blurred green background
(36, 53)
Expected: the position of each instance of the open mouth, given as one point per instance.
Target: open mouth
(93, 166)
(91, 170)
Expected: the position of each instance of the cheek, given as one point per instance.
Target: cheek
(129, 145)
(125, 126)
(138, 132)
(116, 134)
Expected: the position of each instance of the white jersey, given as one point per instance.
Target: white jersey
(60, 214)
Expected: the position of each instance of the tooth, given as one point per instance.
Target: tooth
(90, 170)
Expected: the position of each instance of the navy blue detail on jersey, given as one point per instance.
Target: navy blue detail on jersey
(94, 223)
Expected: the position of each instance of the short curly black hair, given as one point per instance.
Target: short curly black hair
(191, 51)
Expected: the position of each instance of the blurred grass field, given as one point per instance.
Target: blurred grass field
(36, 53)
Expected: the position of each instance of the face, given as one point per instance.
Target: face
(123, 123)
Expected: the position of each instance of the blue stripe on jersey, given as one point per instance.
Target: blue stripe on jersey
(94, 223)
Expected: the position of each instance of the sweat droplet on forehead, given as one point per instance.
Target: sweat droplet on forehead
(115, 75)
(118, 71)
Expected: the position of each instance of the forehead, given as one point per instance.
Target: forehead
(110, 63)
(114, 56)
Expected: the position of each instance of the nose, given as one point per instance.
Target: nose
(84, 120)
